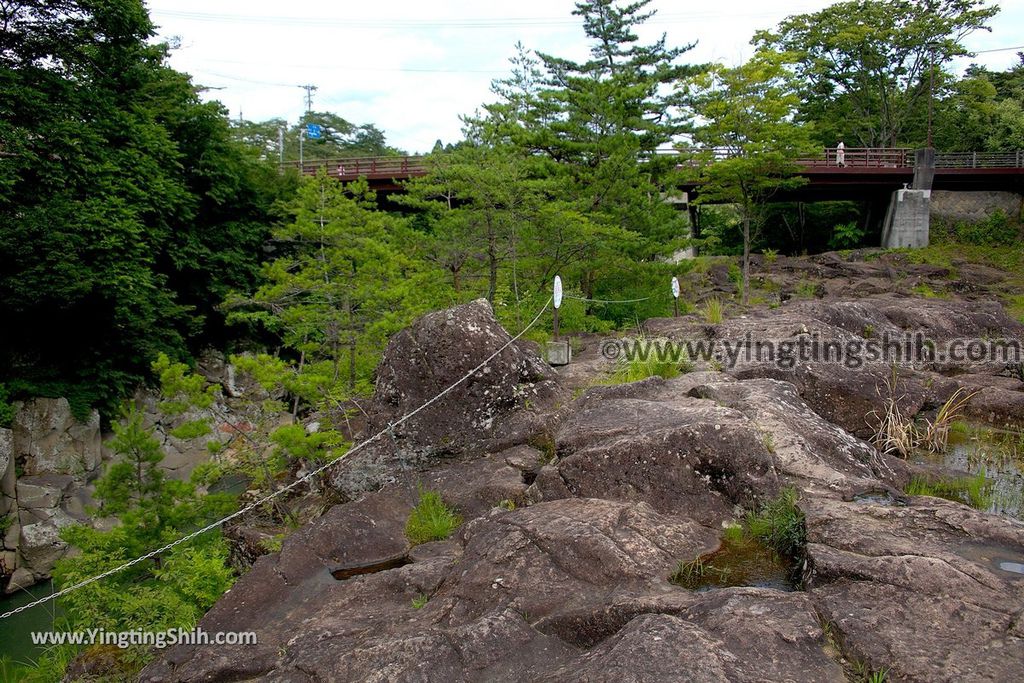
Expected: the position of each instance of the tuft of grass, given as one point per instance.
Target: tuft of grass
(420, 601)
(895, 431)
(506, 504)
(975, 491)
(770, 256)
(733, 533)
(431, 519)
(1015, 306)
(806, 289)
(713, 310)
(779, 524)
(650, 358)
(924, 290)
(936, 435)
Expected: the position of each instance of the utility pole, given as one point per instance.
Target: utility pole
(931, 88)
(280, 146)
(310, 89)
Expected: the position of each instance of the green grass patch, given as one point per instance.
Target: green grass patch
(975, 490)
(780, 525)
(1015, 306)
(649, 358)
(713, 311)
(431, 519)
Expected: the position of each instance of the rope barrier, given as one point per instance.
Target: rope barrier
(271, 496)
(607, 301)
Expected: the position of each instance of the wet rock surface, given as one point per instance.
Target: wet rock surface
(577, 514)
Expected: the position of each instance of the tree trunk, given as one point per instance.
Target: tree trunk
(746, 259)
(492, 263)
(352, 363)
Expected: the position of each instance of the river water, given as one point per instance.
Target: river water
(15, 641)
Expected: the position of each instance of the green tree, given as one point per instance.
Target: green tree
(126, 211)
(865, 66)
(745, 147)
(335, 280)
(592, 129)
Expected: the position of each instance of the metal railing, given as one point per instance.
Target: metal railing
(854, 157)
(371, 167)
(863, 157)
(979, 159)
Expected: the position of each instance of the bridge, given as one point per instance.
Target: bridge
(885, 169)
(884, 177)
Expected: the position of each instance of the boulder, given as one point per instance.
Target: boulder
(499, 406)
(40, 544)
(20, 578)
(650, 441)
(923, 589)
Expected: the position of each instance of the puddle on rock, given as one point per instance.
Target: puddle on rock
(372, 568)
(742, 562)
(996, 452)
(1015, 567)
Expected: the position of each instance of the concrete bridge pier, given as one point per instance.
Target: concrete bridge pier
(907, 218)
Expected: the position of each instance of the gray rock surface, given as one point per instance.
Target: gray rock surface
(51, 441)
(600, 501)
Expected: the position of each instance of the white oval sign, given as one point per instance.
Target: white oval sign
(675, 287)
(558, 291)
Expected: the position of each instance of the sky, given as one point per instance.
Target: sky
(413, 67)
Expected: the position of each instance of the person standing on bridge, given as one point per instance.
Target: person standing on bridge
(841, 154)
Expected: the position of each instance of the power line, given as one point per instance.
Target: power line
(461, 23)
(267, 498)
(1000, 49)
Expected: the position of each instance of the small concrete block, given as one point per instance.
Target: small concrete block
(559, 352)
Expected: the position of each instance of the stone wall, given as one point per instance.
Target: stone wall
(972, 207)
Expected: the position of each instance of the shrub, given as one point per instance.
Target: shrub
(846, 236)
(996, 229)
(431, 519)
(770, 256)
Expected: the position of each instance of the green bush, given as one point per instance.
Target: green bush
(780, 525)
(846, 236)
(997, 229)
(431, 519)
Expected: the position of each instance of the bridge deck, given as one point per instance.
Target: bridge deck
(864, 168)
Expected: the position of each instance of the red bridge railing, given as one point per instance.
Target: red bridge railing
(371, 167)
(400, 168)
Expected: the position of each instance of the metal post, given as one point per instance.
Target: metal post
(302, 136)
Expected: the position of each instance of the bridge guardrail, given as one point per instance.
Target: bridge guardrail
(855, 157)
(979, 159)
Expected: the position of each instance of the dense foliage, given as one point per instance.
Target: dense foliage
(138, 226)
(127, 213)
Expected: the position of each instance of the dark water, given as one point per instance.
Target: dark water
(996, 452)
(15, 642)
(741, 562)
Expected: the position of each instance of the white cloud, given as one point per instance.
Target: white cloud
(412, 68)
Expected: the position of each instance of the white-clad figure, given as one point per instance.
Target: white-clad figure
(840, 154)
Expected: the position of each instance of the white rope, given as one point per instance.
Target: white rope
(606, 301)
(271, 496)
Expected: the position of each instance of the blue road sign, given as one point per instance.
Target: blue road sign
(313, 131)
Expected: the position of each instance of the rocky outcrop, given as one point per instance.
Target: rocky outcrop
(575, 518)
(49, 440)
(501, 405)
(58, 456)
(849, 393)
